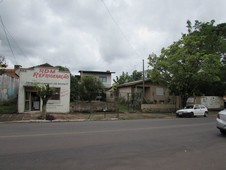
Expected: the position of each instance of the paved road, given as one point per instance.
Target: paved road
(162, 144)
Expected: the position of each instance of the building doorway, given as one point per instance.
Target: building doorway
(32, 101)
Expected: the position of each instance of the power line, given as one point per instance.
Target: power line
(8, 39)
(122, 33)
(18, 46)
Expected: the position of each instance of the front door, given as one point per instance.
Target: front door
(32, 101)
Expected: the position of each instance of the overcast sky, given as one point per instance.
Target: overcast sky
(97, 35)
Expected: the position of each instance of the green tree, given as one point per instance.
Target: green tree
(62, 68)
(190, 63)
(90, 88)
(221, 31)
(125, 77)
(44, 91)
(74, 85)
(136, 75)
(3, 62)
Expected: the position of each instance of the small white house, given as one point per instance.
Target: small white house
(29, 101)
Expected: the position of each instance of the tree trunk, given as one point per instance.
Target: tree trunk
(184, 100)
(43, 112)
(44, 109)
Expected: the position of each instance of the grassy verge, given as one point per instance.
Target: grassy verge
(128, 116)
(8, 107)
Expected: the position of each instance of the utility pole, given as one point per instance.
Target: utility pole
(143, 84)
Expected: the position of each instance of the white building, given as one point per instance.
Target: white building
(29, 101)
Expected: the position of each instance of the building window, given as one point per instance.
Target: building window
(103, 79)
(159, 91)
(56, 94)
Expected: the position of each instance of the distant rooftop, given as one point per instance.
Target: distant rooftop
(10, 73)
(41, 65)
(133, 83)
(96, 72)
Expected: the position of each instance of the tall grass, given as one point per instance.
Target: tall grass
(8, 107)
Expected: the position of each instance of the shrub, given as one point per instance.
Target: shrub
(8, 107)
(48, 117)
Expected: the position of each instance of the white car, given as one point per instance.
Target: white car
(193, 110)
(221, 121)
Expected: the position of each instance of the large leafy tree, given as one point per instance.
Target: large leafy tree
(191, 65)
(90, 88)
(221, 31)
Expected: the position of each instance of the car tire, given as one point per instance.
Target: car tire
(206, 114)
(223, 132)
(192, 114)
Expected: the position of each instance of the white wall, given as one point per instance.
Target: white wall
(212, 102)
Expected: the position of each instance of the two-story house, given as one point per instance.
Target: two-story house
(103, 76)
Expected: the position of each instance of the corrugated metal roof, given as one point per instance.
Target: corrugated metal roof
(133, 83)
(10, 73)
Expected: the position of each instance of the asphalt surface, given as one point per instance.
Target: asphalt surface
(161, 144)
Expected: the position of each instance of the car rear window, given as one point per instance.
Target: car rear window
(189, 107)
